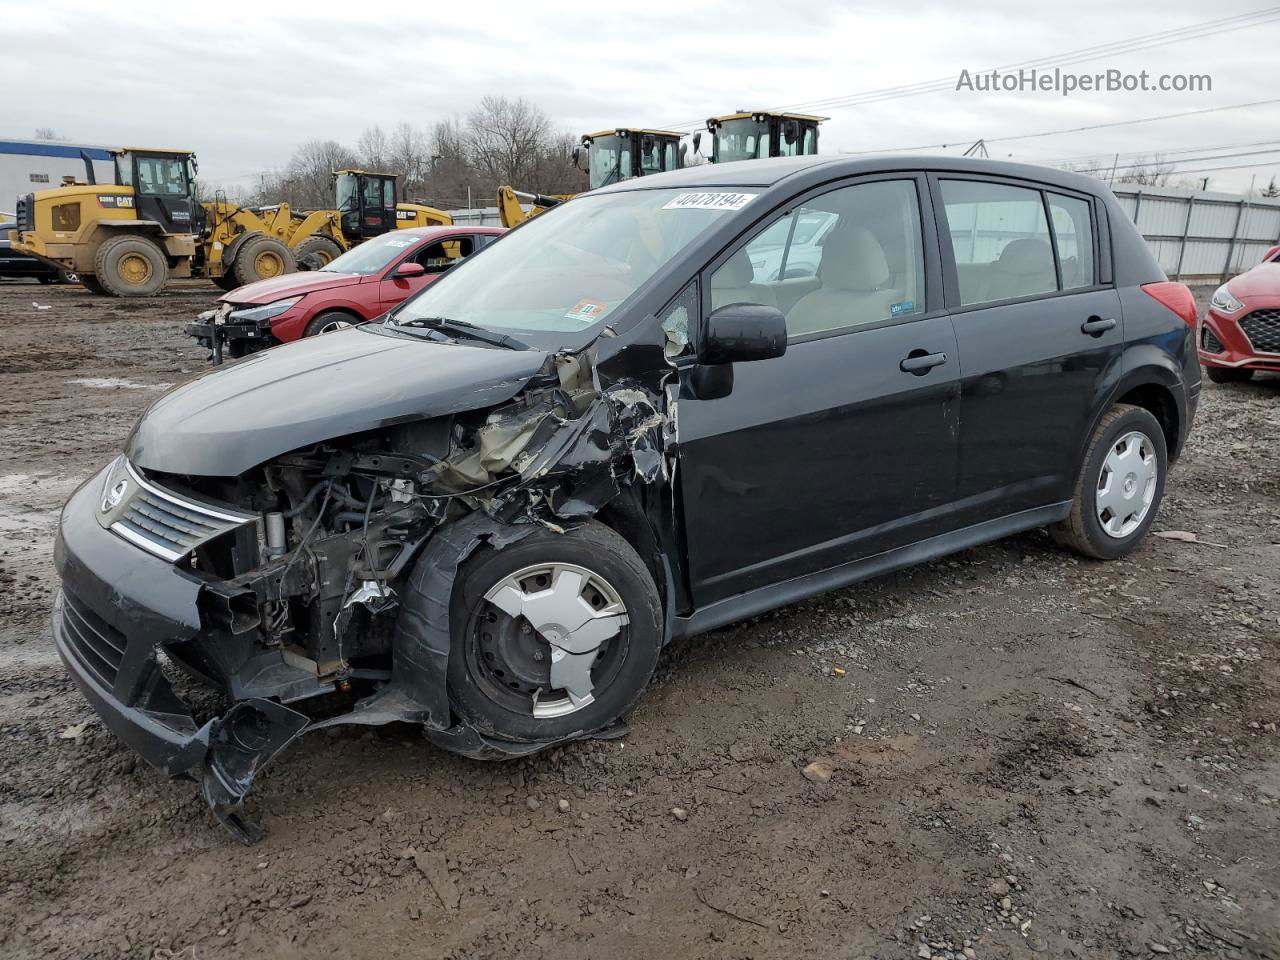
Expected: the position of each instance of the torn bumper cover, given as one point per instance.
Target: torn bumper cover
(120, 675)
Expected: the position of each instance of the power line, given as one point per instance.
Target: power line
(1081, 55)
(1082, 129)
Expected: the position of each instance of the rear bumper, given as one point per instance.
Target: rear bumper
(117, 608)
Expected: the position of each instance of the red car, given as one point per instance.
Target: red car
(366, 281)
(1241, 331)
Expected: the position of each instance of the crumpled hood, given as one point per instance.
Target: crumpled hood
(289, 285)
(233, 418)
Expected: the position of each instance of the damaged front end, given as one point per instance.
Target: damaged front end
(213, 619)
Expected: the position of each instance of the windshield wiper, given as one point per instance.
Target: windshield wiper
(463, 329)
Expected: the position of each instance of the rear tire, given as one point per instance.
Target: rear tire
(320, 250)
(90, 283)
(1228, 374)
(497, 660)
(227, 281)
(130, 267)
(329, 321)
(262, 258)
(1126, 465)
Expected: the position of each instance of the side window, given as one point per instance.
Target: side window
(441, 255)
(1073, 230)
(1001, 241)
(845, 259)
(676, 319)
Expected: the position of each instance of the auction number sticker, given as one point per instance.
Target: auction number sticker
(710, 201)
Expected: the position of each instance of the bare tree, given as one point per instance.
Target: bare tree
(1145, 172)
(47, 133)
(505, 139)
(1271, 190)
(372, 148)
(308, 180)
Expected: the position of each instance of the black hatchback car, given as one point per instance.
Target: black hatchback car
(612, 428)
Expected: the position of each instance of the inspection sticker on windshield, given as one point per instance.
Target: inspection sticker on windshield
(710, 201)
(588, 311)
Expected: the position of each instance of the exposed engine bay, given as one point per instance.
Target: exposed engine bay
(326, 573)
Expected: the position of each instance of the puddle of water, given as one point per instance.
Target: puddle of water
(117, 383)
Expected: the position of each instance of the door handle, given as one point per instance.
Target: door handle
(920, 363)
(1097, 326)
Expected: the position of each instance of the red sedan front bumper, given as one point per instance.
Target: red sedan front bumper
(1248, 339)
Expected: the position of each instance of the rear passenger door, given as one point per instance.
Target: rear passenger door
(844, 446)
(1038, 324)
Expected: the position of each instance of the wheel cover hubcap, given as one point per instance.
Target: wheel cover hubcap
(1126, 484)
(562, 617)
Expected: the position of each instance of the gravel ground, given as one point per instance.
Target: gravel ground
(1005, 752)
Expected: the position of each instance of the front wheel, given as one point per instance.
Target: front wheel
(555, 635)
(1120, 485)
(1228, 374)
(329, 321)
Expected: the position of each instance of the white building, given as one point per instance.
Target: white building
(30, 165)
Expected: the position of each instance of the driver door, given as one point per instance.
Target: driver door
(435, 258)
(846, 445)
(162, 192)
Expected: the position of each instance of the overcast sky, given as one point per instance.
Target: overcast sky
(243, 86)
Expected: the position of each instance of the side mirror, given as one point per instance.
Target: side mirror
(697, 139)
(410, 269)
(576, 154)
(1270, 254)
(739, 332)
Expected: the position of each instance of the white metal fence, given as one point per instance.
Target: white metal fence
(1202, 236)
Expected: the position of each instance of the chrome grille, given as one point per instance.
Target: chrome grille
(166, 523)
(1210, 343)
(1262, 327)
(95, 643)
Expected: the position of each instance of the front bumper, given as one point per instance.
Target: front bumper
(118, 607)
(1223, 341)
(238, 338)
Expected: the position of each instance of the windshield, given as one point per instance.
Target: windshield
(606, 159)
(346, 187)
(569, 268)
(371, 256)
(744, 139)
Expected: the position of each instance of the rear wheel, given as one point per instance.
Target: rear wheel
(329, 321)
(131, 267)
(554, 635)
(227, 281)
(318, 252)
(1228, 374)
(1120, 485)
(262, 258)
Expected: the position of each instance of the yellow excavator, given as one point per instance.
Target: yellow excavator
(755, 134)
(610, 155)
(128, 238)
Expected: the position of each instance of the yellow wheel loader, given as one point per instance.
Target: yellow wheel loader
(755, 134)
(611, 155)
(128, 238)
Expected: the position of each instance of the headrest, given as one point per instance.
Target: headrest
(1028, 255)
(734, 272)
(852, 259)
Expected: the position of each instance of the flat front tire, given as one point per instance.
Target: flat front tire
(1120, 486)
(554, 635)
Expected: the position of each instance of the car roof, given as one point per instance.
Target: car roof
(456, 229)
(772, 171)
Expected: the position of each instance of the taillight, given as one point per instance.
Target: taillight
(1177, 297)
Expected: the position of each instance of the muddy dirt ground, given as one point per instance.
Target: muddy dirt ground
(1032, 754)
